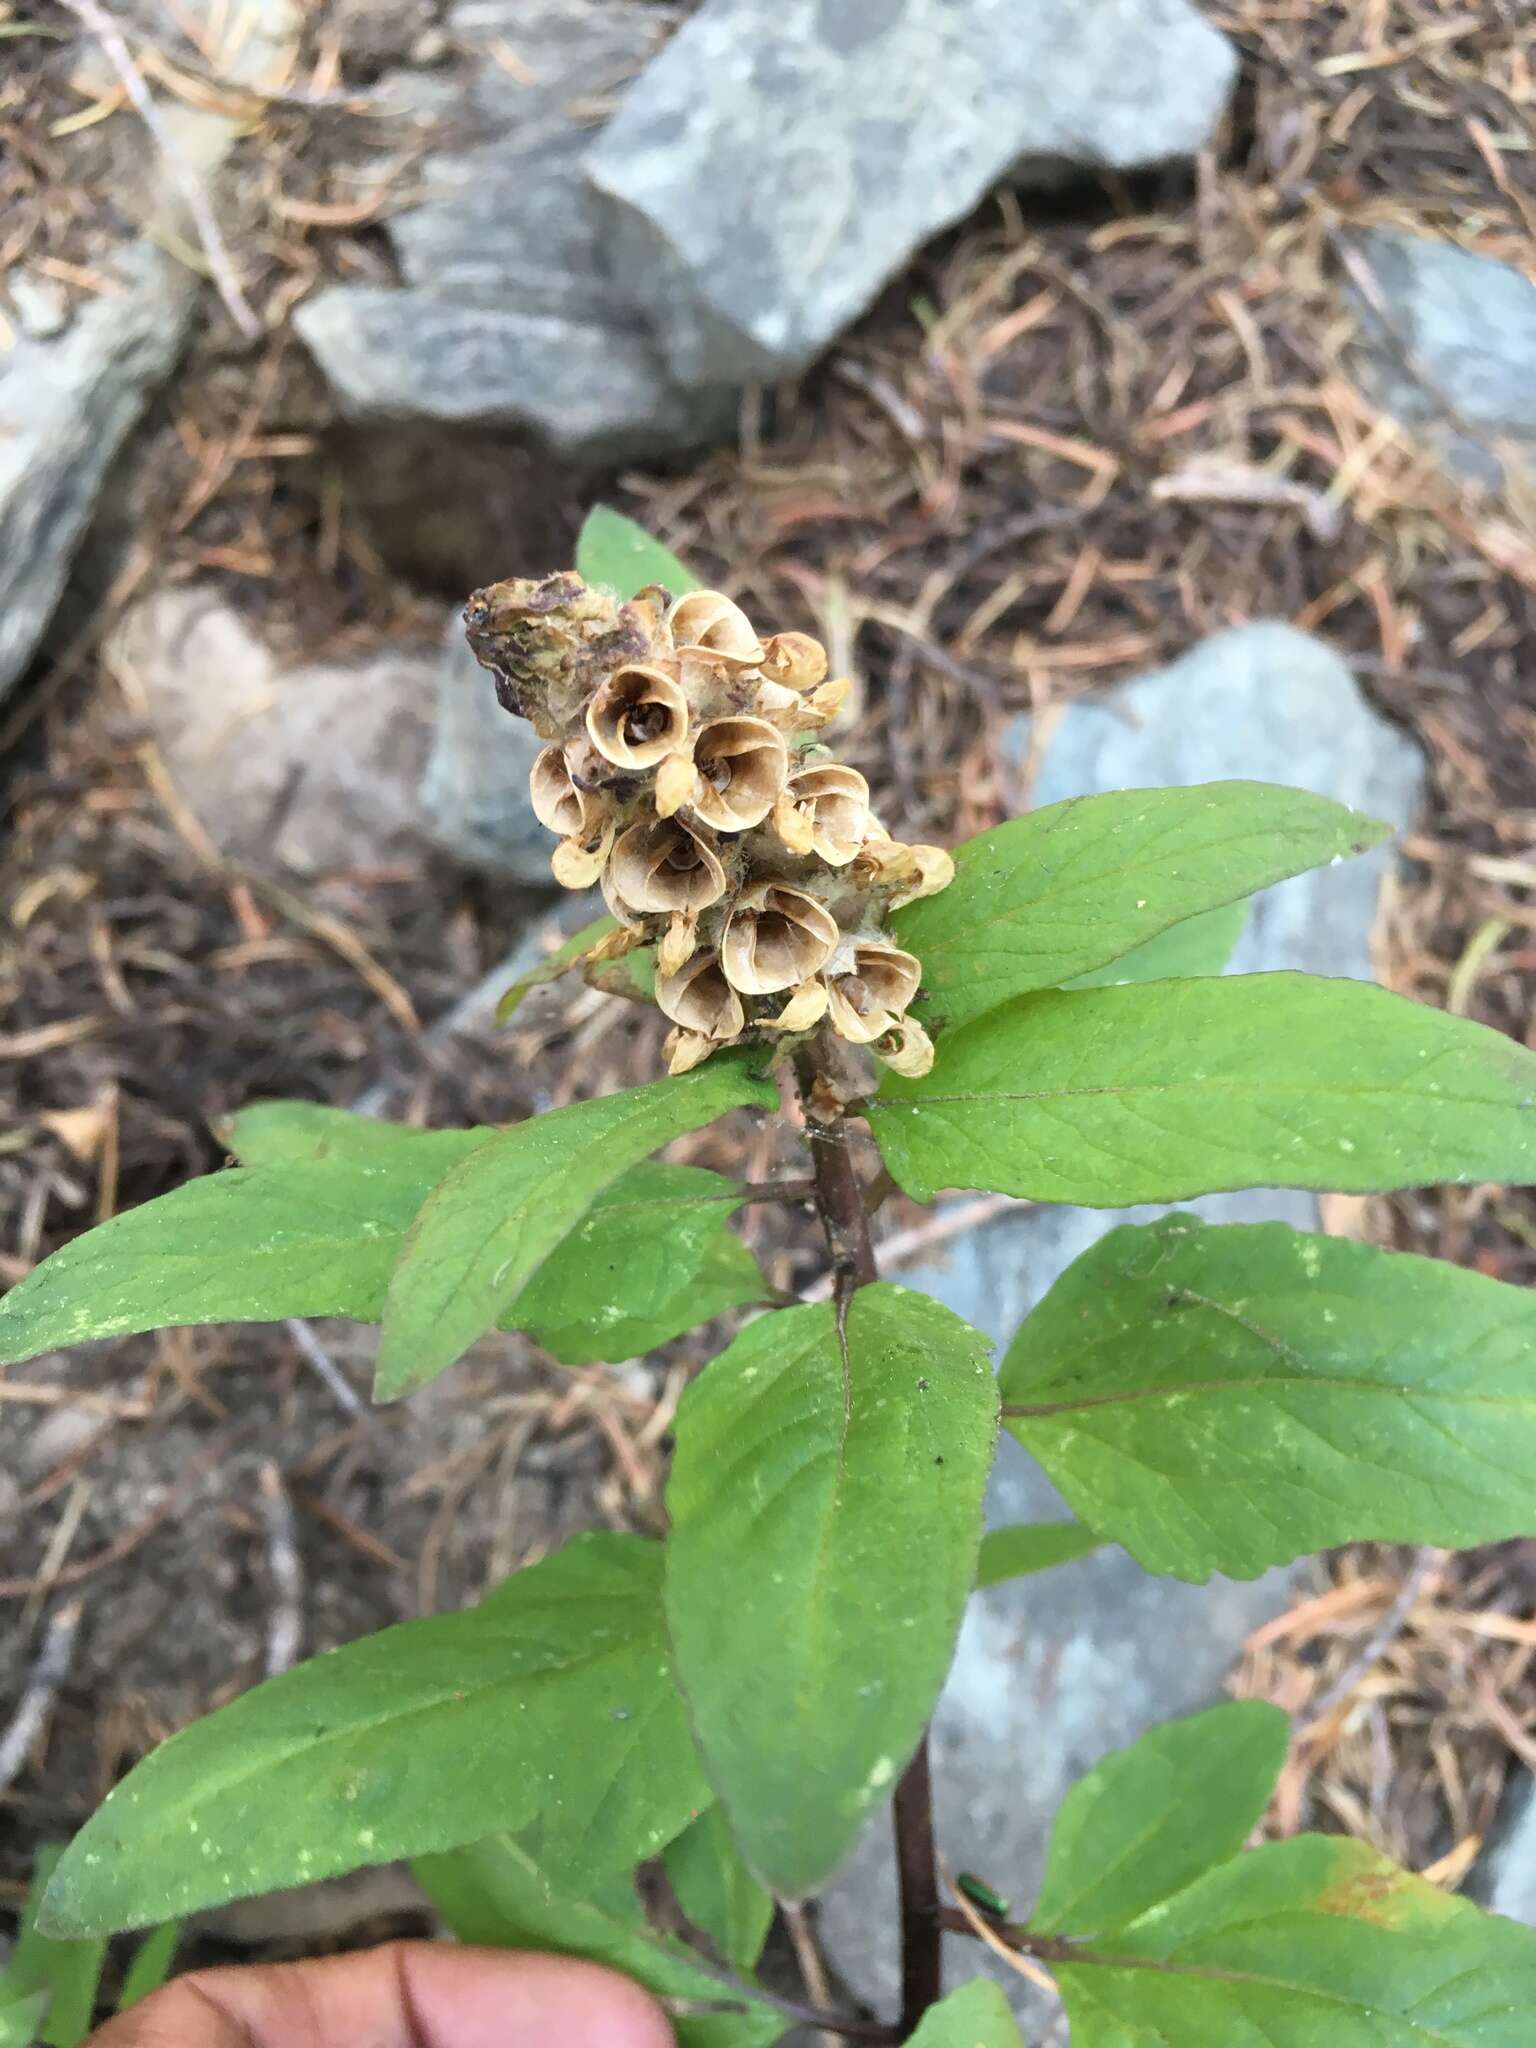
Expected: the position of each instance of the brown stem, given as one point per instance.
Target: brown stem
(840, 1199)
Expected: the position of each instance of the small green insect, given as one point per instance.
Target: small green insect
(982, 1896)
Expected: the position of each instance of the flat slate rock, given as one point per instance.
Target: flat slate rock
(1448, 343)
(1055, 1670)
(781, 159)
(71, 393)
(507, 318)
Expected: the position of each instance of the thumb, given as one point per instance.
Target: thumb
(408, 1994)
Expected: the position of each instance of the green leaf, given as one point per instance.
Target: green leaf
(48, 1988)
(151, 1965)
(1228, 1397)
(621, 556)
(308, 1133)
(561, 961)
(826, 1516)
(250, 1245)
(1031, 1547)
(490, 1224)
(1110, 1096)
(632, 975)
(1201, 945)
(975, 2016)
(1048, 896)
(495, 1895)
(726, 1277)
(1152, 1818)
(1312, 1943)
(717, 1892)
(552, 1704)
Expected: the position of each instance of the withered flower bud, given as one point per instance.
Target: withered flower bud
(663, 865)
(705, 622)
(674, 783)
(546, 640)
(867, 999)
(795, 660)
(824, 702)
(906, 1049)
(700, 998)
(740, 765)
(679, 943)
(908, 871)
(825, 810)
(638, 716)
(775, 938)
(579, 861)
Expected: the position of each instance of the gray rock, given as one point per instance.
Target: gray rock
(508, 319)
(782, 158)
(1448, 343)
(476, 789)
(316, 767)
(1504, 1879)
(1055, 1670)
(68, 402)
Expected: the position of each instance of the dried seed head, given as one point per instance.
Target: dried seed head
(805, 1008)
(867, 1000)
(581, 860)
(775, 938)
(906, 1049)
(684, 1050)
(663, 865)
(795, 660)
(704, 622)
(638, 716)
(741, 764)
(700, 998)
(824, 809)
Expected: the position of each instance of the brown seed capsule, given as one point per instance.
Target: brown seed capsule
(578, 862)
(867, 1000)
(824, 702)
(638, 716)
(906, 1049)
(741, 764)
(558, 803)
(705, 622)
(795, 660)
(700, 998)
(805, 1008)
(663, 865)
(775, 938)
(824, 809)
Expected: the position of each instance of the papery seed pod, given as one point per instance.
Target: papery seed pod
(867, 1000)
(795, 660)
(685, 1050)
(706, 622)
(558, 803)
(781, 707)
(931, 870)
(824, 809)
(675, 780)
(638, 716)
(741, 764)
(906, 1049)
(664, 864)
(700, 998)
(805, 1008)
(679, 943)
(775, 938)
(579, 861)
